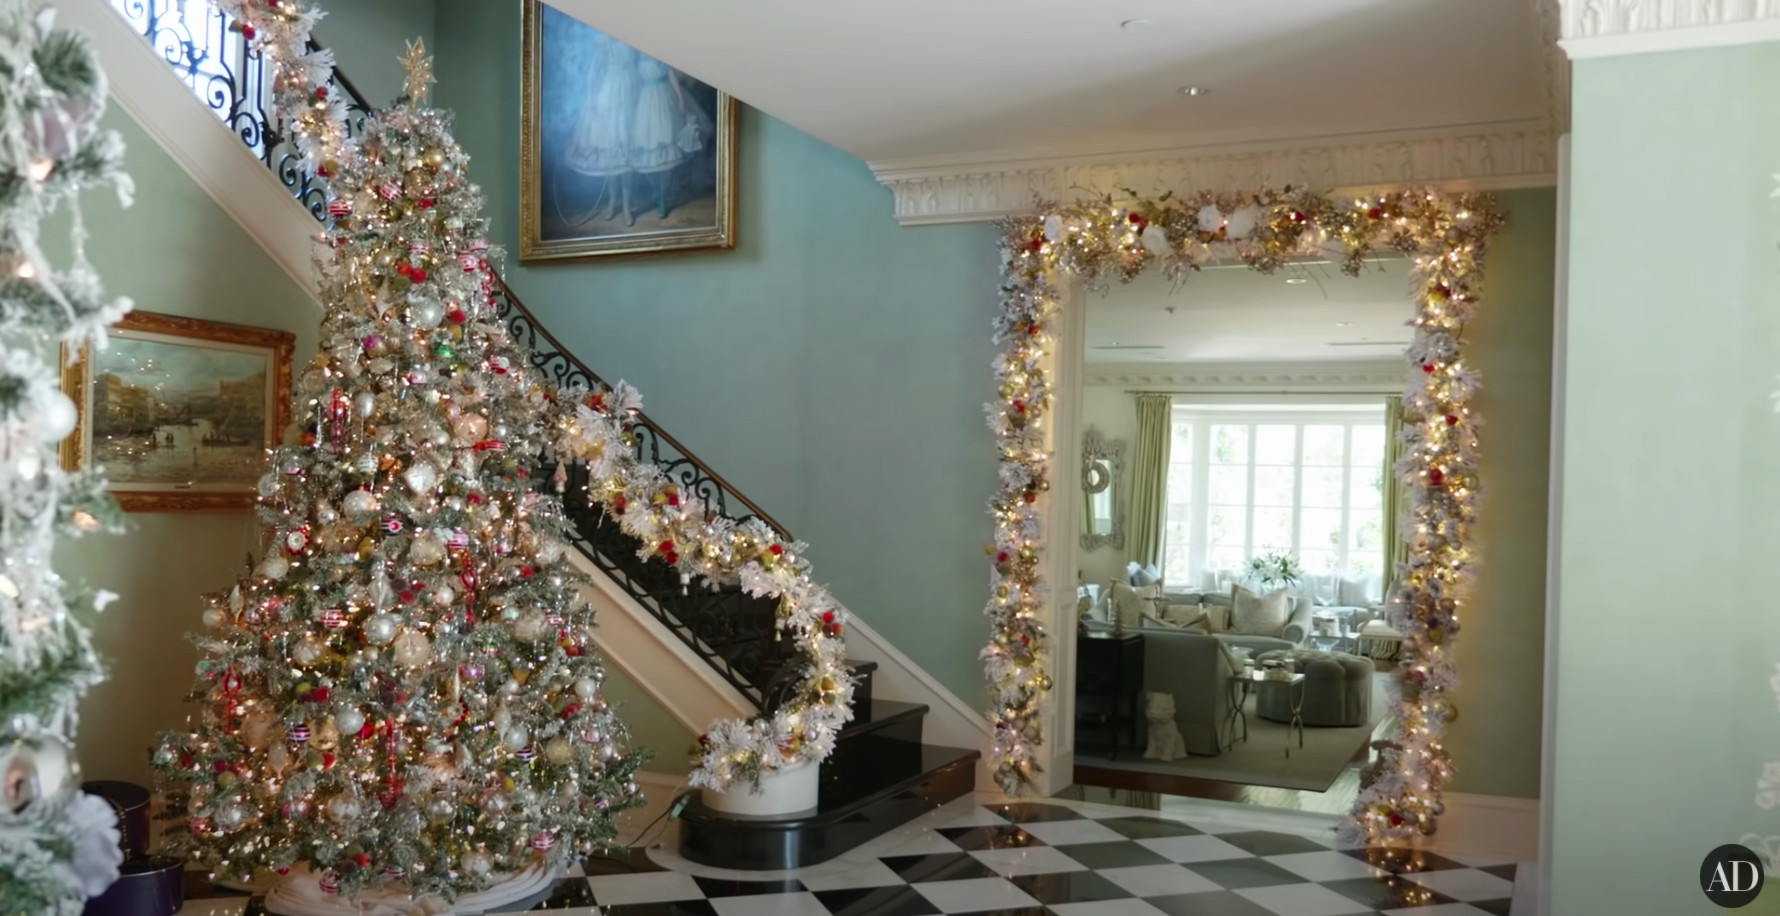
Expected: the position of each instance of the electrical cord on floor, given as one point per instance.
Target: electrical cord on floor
(673, 810)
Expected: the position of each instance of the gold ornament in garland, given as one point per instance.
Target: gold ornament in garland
(1445, 236)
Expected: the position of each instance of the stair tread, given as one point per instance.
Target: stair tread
(883, 713)
(861, 666)
(841, 799)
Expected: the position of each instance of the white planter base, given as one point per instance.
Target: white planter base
(299, 894)
(784, 791)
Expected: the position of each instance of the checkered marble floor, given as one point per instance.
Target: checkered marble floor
(986, 855)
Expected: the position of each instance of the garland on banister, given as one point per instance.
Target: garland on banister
(1445, 235)
(677, 528)
(307, 105)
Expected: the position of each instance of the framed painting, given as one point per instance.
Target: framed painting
(179, 411)
(621, 154)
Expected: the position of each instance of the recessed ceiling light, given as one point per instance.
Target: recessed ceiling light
(1296, 280)
(1134, 24)
(1193, 91)
(1344, 324)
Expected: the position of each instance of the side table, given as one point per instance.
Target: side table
(1109, 683)
(1241, 684)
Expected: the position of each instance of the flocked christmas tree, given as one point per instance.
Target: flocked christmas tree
(57, 846)
(403, 697)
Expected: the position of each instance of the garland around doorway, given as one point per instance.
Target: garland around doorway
(1094, 242)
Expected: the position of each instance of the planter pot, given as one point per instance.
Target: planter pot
(783, 791)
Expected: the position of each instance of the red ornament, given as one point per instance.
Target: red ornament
(327, 761)
(618, 503)
(1025, 640)
(1436, 477)
(1019, 407)
(367, 730)
(362, 859)
(321, 92)
(1029, 496)
(776, 550)
(298, 732)
(568, 712)
(1032, 329)
(426, 203)
(665, 547)
(704, 740)
(1396, 819)
(542, 842)
(1035, 244)
(405, 269)
(672, 558)
(389, 190)
(1296, 216)
(832, 629)
(220, 766)
(1428, 367)
(673, 496)
(284, 871)
(1376, 213)
(248, 32)
(828, 617)
(1001, 557)
(457, 316)
(1137, 220)
(339, 207)
(407, 597)
(417, 275)
(1452, 419)
(320, 695)
(392, 524)
(330, 882)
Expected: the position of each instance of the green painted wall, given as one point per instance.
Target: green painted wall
(368, 38)
(1495, 741)
(1667, 639)
(176, 252)
(833, 367)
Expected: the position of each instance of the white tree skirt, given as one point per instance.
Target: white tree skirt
(299, 894)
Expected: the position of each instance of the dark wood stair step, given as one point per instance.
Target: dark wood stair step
(862, 796)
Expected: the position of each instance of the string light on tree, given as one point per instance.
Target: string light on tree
(1110, 239)
(402, 698)
(58, 845)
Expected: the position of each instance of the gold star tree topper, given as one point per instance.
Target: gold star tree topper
(419, 68)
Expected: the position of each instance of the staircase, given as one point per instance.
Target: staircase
(882, 772)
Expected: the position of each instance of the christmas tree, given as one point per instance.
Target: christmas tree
(57, 846)
(403, 697)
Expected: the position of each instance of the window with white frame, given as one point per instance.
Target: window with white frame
(1248, 480)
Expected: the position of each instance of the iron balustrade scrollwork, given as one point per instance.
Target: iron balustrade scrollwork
(228, 74)
(736, 634)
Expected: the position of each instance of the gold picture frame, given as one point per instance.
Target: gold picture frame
(181, 411)
(620, 154)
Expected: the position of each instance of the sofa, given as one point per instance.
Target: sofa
(1150, 608)
(1196, 669)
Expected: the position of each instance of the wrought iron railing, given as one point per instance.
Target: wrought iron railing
(737, 635)
(226, 73)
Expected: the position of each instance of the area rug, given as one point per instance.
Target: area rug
(1262, 760)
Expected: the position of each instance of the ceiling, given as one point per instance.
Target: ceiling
(944, 81)
(1311, 313)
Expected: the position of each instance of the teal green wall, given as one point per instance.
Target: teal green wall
(833, 367)
(174, 252)
(1495, 741)
(368, 38)
(1667, 637)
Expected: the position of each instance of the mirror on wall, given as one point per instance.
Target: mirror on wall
(1103, 511)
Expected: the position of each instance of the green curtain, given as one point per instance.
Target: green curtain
(1149, 479)
(1395, 549)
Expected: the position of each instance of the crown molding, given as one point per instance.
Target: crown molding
(1611, 28)
(1369, 377)
(1498, 156)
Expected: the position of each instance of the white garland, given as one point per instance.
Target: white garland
(678, 528)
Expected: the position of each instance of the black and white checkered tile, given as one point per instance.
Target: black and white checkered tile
(1037, 858)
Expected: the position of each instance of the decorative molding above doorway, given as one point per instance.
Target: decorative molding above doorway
(1483, 157)
(1606, 28)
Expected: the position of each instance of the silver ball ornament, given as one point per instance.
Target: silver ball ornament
(348, 719)
(382, 628)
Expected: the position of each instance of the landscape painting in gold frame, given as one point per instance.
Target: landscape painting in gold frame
(620, 154)
(180, 411)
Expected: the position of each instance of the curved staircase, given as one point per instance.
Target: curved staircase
(882, 772)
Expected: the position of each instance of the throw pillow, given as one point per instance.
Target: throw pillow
(1259, 615)
(1217, 618)
(1131, 604)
